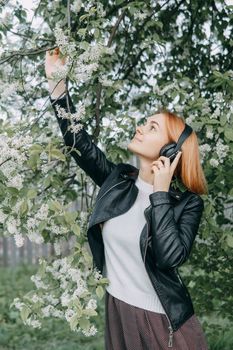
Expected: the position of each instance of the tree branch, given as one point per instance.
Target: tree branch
(99, 85)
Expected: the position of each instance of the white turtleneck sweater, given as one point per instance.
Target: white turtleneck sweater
(124, 266)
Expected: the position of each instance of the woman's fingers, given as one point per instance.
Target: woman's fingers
(175, 161)
(162, 162)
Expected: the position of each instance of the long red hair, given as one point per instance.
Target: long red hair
(189, 168)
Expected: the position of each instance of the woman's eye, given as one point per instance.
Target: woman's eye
(152, 127)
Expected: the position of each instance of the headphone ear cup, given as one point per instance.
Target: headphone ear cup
(167, 150)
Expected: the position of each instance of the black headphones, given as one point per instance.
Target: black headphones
(170, 150)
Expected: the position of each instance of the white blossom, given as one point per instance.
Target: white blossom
(190, 119)
(204, 149)
(97, 275)
(75, 274)
(12, 224)
(20, 141)
(2, 216)
(38, 282)
(16, 182)
(51, 299)
(47, 310)
(81, 288)
(8, 90)
(221, 150)
(76, 6)
(35, 237)
(214, 162)
(33, 323)
(58, 313)
(209, 134)
(92, 304)
(65, 298)
(140, 15)
(32, 223)
(69, 314)
(42, 213)
(18, 304)
(105, 81)
(90, 332)
(57, 248)
(75, 128)
(168, 87)
(62, 40)
(35, 298)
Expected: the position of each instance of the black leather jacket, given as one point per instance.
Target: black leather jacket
(172, 221)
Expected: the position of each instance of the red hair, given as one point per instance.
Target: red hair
(189, 168)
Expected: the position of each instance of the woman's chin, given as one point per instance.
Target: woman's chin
(132, 147)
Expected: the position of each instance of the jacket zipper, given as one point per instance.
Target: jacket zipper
(109, 190)
(177, 274)
(170, 326)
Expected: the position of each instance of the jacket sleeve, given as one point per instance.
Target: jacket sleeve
(92, 160)
(172, 241)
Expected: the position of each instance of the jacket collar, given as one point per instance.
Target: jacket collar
(174, 190)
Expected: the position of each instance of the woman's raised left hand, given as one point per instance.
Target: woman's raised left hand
(163, 172)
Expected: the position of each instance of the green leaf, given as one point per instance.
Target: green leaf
(47, 181)
(36, 148)
(70, 217)
(56, 153)
(32, 193)
(89, 312)
(76, 229)
(99, 292)
(23, 208)
(82, 31)
(84, 45)
(229, 133)
(230, 241)
(55, 206)
(33, 160)
(73, 322)
(24, 313)
(84, 323)
(104, 280)
(42, 225)
(96, 33)
(2, 176)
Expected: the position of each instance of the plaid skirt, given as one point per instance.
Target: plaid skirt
(128, 327)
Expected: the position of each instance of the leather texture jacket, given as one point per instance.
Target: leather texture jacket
(172, 220)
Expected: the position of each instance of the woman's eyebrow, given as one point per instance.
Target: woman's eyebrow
(153, 122)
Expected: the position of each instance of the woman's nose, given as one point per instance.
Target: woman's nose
(139, 129)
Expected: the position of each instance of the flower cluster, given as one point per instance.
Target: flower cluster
(74, 118)
(8, 90)
(221, 152)
(88, 62)
(22, 213)
(66, 46)
(76, 6)
(73, 301)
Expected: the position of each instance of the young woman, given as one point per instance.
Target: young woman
(142, 227)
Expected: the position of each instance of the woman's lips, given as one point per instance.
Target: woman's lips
(135, 138)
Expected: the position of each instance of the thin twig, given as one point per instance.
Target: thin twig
(14, 54)
(99, 85)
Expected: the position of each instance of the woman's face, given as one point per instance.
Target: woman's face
(150, 137)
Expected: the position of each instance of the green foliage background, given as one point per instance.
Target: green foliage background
(176, 54)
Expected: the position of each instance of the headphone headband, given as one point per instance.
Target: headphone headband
(184, 135)
(170, 150)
